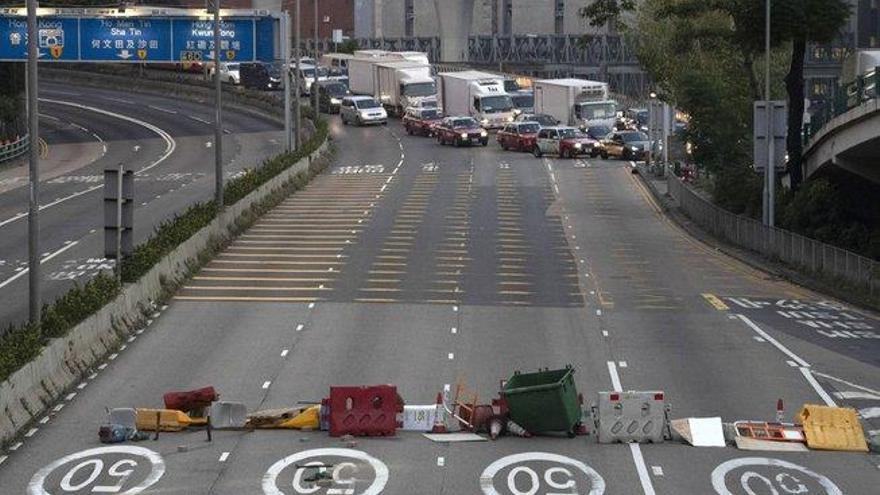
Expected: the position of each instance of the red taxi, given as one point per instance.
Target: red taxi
(421, 121)
(518, 136)
(567, 142)
(460, 131)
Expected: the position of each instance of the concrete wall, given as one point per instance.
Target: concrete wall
(25, 396)
(533, 16)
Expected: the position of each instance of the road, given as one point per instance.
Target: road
(166, 141)
(422, 266)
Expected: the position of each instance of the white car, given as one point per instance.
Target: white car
(229, 73)
(307, 75)
(362, 110)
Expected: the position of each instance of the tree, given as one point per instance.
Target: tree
(797, 22)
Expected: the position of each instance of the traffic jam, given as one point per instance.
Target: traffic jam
(567, 118)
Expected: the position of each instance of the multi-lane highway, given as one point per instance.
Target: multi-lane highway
(420, 265)
(166, 141)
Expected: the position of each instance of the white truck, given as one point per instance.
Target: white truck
(362, 68)
(404, 84)
(576, 102)
(478, 94)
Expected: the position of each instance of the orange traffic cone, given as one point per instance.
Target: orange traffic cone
(439, 416)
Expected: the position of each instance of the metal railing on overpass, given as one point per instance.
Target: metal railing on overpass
(849, 96)
(814, 257)
(14, 149)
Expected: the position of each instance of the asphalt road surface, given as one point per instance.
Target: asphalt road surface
(426, 266)
(166, 141)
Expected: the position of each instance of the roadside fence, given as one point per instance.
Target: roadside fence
(13, 149)
(809, 255)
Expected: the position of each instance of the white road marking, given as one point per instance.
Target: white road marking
(641, 469)
(818, 388)
(284, 353)
(622, 364)
(45, 259)
(199, 119)
(792, 363)
(604, 333)
(266, 384)
(598, 312)
(446, 387)
(166, 110)
(866, 389)
(300, 327)
(856, 395)
(16, 446)
(657, 470)
(118, 100)
(113, 356)
(82, 385)
(58, 408)
(102, 366)
(441, 461)
(454, 330)
(615, 378)
(451, 355)
(224, 456)
(312, 305)
(773, 341)
(455, 308)
(758, 339)
(44, 420)
(3, 458)
(70, 396)
(869, 412)
(31, 432)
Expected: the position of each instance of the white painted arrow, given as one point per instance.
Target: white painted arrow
(124, 54)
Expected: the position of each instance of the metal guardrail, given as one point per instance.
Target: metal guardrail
(812, 256)
(848, 96)
(14, 149)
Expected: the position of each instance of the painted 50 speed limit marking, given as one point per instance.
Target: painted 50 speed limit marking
(89, 474)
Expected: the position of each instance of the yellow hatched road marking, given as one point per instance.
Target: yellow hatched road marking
(375, 300)
(304, 242)
(255, 250)
(378, 289)
(265, 270)
(264, 279)
(252, 288)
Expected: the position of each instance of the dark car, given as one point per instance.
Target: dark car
(421, 121)
(626, 145)
(460, 131)
(545, 120)
(260, 75)
(598, 132)
(567, 142)
(519, 136)
(330, 94)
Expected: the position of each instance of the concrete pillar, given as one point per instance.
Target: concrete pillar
(377, 19)
(455, 18)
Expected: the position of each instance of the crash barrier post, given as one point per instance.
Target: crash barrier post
(631, 416)
(832, 428)
(14, 149)
(808, 255)
(545, 400)
(364, 411)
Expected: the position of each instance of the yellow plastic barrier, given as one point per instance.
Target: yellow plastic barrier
(169, 420)
(309, 417)
(832, 428)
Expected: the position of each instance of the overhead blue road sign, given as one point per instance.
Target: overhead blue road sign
(142, 39)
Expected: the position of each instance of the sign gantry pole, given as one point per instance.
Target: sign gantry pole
(218, 123)
(34, 303)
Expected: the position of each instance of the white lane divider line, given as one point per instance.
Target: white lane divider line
(113, 356)
(792, 363)
(312, 305)
(818, 388)
(199, 119)
(285, 352)
(102, 366)
(300, 327)
(3, 458)
(16, 446)
(44, 420)
(224, 456)
(615, 378)
(451, 356)
(446, 387)
(657, 470)
(58, 408)
(454, 330)
(266, 384)
(441, 461)
(851, 384)
(622, 364)
(31, 432)
(43, 260)
(166, 110)
(856, 395)
(604, 333)
(598, 312)
(69, 397)
(773, 341)
(758, 339)
(82, 385)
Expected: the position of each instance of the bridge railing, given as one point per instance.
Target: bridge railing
(14, 149)
(809, 255)
(849, 96)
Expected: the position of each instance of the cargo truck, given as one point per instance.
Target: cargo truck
(362, 71)
(404, 84)
(478, 94)
(576, 102)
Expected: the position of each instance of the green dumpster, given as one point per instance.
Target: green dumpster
(543, 401)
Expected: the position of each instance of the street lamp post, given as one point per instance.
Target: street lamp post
(770, 169)
(218, 124)
(315, 55)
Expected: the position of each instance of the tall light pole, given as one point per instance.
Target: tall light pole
(34, 304)
(315, 55)
(770, 169)
(297, 137)
(218, 124)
